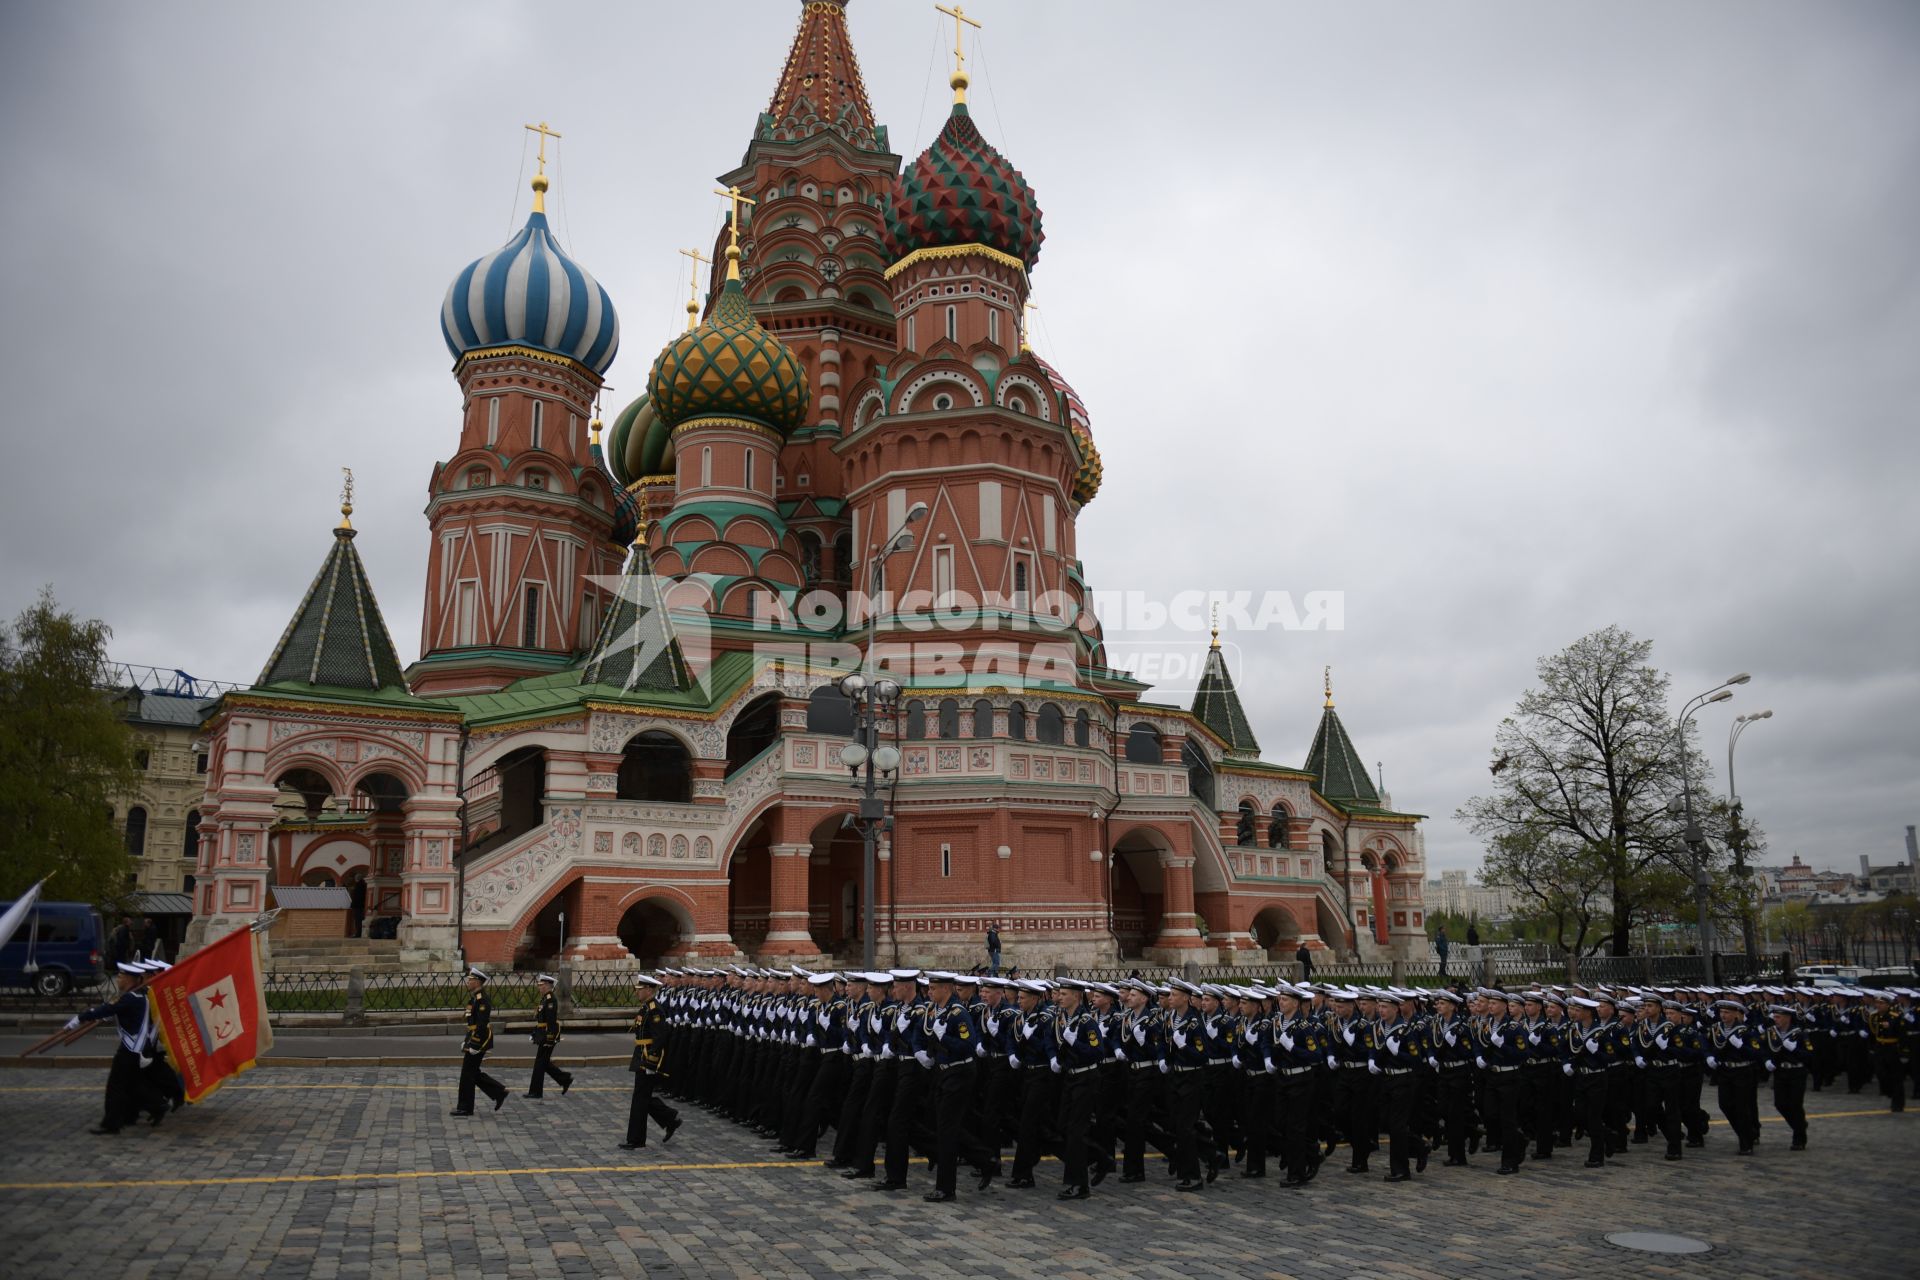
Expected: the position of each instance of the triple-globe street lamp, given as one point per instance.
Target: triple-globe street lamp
(1737, 834)
(1696, 843)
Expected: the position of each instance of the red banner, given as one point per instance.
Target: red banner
(211, 1010)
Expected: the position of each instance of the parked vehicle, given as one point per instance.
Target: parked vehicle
(57, 949)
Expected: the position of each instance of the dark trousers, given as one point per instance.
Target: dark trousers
(1663, 1100)
(1540, 1104)
(1076, 1120)
(799, 1087)
(1142, 1085)
(1185, 1097)
(644, 1104)
(1256, 1117)
(1109, 1100)
(129, 1092)
(471, 1076)
(1293, 1114)
(1739, 1089)
(1892, 1073)
(853, 1105)
(953, 1140)
(1217, 1103)
(1354, 1112)
(906, 1116)
(1000, 1109)
(543, 1069)
(164, 1081)
(1619, 1108)
(1790, 1099)
(1455, 1085)
(822, 1103)
(1693, 1116)
(1503, 1100)
(1396, 1109)
(1590, 1109)
(873, 1124)
(1039, 1102)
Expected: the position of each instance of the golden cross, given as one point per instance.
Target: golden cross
(1329, 676)
(1026, 324)
(693, 283)
(960, 23)
(544, 133)
(733, 218)
(346, 498)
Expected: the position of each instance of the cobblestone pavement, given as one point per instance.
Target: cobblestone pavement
(355, 1172)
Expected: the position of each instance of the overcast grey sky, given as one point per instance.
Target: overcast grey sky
(1507, 320)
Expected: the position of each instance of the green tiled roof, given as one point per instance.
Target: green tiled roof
(337, 636)
(1337, 765)
(637, 647)
(1217, 706)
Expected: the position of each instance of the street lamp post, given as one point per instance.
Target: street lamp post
(1737, 835)
(1696, 843)
(874, 699)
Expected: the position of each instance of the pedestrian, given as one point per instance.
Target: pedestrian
(1440, 948)
(1788, 1058)
(648, 1064)
(1305, 957)
(128, 1091)
(993, 948)
(475, 1047)
(156, 942)
(546, 1034)
(1473, 933)
(120, 943)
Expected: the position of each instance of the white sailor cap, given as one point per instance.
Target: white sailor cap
(1735, 1005)
(547, 977)
(481, 974)
(1451, 996)
(135, 968)
(1184, 987)
(645, 980)
(1030, 984)
(823, 979)
(941, 975)
(903, 975)
(880, 976)
(1583, 1002)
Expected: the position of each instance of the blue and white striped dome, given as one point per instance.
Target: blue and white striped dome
(528, 293)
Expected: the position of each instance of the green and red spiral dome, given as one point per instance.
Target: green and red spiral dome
(962, 191)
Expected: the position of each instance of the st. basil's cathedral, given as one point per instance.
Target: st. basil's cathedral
(625, 715)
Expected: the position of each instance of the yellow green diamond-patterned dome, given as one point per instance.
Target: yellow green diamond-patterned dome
(730, 367)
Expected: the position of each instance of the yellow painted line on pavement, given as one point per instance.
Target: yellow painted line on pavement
(115, 1184)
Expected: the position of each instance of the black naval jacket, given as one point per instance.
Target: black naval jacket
(546, 1022)
(479, 1023)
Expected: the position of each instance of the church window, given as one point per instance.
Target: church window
(943, 577)
(706, 466)
(993, 324)
(949, 718)
(749, 466)
(912, 340)
(1017, 403)
(200, 763)
(1277, 828)
(1143, 744)
(990, 509)
(953, 324)
(943, 402)
(535, 480)
(946, 859)
(143, 760)
(493, 421)
(1244, 829)
(1049, 524)
(983, 719)
(1020, 561)
(539, 423)
(916, 719)
(530, 618)
(136, 831)
(464, 615)
(1017, 722)
(190, 846)
(830, 711)
(1082, 729)
(586, 620)
(1051, 725)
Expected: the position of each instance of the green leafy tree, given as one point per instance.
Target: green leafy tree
(1583, 771)
(1561, 886)
(65, 758)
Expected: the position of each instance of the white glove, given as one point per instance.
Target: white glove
(1480, 1061)
(1593, 1046)
(1179, 1038)
(980, 1050)
(1639, 1060)
(1861, 1034)
(939, 1028)
(1269, 1062)
(1499, 1040)
(1431, 1061)
(1789, 1045)
(1348, 1036)
(1055, 1064)
(1164, 1064)
(886, 1051)
(1769, 1064)
(1286, 1039)
(1119, 1051)
(470, 1051)
(1661, 1041)
(1711, 1064)
(873, 1022)
(1333, 1062)
(1139, 1033)
(1013, 1061)
(1393, 1047)
(1373, 1068)
(1070, 1035)
(1533, 1037)
(1452, 1038)
(811, 1042)
(900, 1022)
(922, 1057)
(1736, 1041)
(1567, 1067)
(72, 1023)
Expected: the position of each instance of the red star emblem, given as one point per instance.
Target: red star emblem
(218, 1000)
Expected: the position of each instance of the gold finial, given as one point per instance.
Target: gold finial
(593, 424)
(540, 176)
(1216, 624)
(733, 222)
(640, 532)
(346, 498)
(1026, 325)
(693, 285)
(1329, 685)
(960, 22)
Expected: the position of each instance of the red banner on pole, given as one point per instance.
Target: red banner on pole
(211, 1010)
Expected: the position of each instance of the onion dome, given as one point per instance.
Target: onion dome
(1086, 480)
(527, 293)
(639, 445)
(729, 367)
(963, 192)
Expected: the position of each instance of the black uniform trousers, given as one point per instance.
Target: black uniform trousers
(822, 1104)
(543, 1069)
(1142, 1083)
(1693, 1080)
(1503, 1100)
(1790, 1099)
(1076, 1120)
(1455, 1085)
(1620, 1083)
(1039, 1102)
(1396, 1110)
(1353, 1108)
(644, 1104)
(1256, 1119)
(793, 1115)
(879, 1106)
(129, 1091)
(954, 1140)
(1186, 1092)
(1293, 1114)
(853, 1107)
(906, 1116)
(1663, 1100)
(1739, 1090)
(1590, 1111)
(1217, 1102)
(471, 1076)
